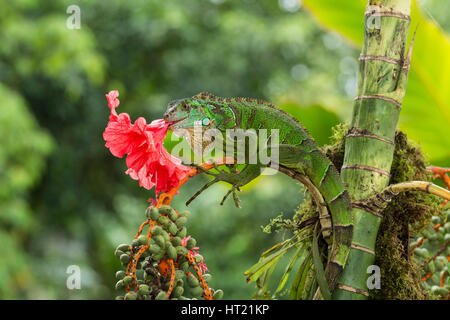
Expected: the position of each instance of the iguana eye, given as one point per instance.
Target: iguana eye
(206, 121)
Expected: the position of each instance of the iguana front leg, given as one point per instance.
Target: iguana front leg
(237, 179)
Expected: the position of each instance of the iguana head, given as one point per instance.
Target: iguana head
(197, 112)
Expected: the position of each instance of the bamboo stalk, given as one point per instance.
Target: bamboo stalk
(369, 146)
(419, 186)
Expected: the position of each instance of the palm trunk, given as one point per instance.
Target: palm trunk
(369, 145)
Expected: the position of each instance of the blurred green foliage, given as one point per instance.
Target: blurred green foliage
(65, 200)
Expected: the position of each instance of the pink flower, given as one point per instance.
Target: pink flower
(147, 159)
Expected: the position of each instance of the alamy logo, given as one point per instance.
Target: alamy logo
(373, 21)
(374, 280)
(245, 146)
(74, 20)
(74, 279)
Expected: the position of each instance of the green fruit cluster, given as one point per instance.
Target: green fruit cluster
(153, 274)
(432, 255)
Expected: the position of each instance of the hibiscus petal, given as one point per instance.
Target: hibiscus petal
(147, 159)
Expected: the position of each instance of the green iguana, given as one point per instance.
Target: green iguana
(297, 151)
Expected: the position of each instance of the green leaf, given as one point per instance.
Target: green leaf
(300, 278)
(259, 268)
(320, 273)
(425, 115)
(289, 267)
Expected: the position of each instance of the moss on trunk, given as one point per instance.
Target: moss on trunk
(407, 213)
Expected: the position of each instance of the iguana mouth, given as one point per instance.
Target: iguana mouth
(172, 123)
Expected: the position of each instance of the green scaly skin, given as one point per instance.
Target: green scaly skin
(297, 151)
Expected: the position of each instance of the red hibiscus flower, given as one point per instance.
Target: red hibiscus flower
(147, 159)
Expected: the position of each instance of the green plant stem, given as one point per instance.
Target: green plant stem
(369, 145)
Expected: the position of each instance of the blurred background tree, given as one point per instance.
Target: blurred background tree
(64, 200)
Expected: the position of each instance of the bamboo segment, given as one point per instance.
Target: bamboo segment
(369, 146)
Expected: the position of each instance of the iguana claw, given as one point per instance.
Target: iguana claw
(236, 199)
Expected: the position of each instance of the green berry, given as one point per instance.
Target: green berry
(192, 281)
(157, 230)
(179, 274)
(142, 240)
(124, 247)
(173, 229)
(120, 274)
(182, 233)
(196, 291)
(154, 214)
(162, 295)
(191, 243)
(182, 251)
(144, 289)
(440, 291)
(160, 241)
(198, 258)
(218, 295)
(163, 220)
(124, 258)
(207, 277)
(119, 284)
(177, 292)
(127, 280)
(176, 241)
(184, 266)
(173, 215)
(154, 249)
(422, 252)
(131, 296)
(118, 253)
(185, 214)
(181, 221)
(165, 209)
(171, 252)
(135, 243)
